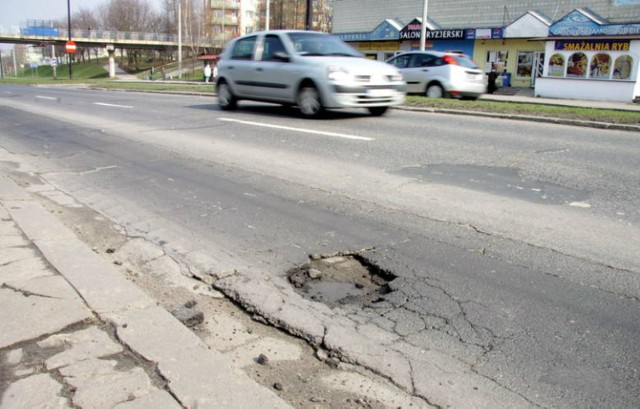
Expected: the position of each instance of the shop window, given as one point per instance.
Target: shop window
(525, 64)
(600, 67)
(556, 65)
(496, 60)
(577, 65)
(622, 67)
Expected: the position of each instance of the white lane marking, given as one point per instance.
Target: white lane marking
(583, 205)
(112, 105)
(43, 97)
(288, 128)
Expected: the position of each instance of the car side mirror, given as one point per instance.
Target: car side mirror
(281, 56)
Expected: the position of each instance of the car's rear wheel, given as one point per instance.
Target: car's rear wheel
(378, 111)
(435, 91)
(309, 102)
(226, 100)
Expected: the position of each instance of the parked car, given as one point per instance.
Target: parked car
(440, 75)
(312, 70)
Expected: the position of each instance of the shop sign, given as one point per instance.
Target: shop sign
(354, 36)
(593, 45)
(406, 34)
(578, 24)
(488, 33)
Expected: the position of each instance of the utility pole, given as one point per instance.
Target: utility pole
(69, 32)
(179, 39)
(308, 21)
(1, 68)
(423, 33)
(266, 25)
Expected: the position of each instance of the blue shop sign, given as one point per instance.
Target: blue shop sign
(577, 23)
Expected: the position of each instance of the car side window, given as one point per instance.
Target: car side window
(401, 61)
(424, 60)
(243, 49)
(272, 45)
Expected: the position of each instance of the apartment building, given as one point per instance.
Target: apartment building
(227, 19)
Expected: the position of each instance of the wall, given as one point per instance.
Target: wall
(512, 47)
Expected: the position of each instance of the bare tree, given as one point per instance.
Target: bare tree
(85, 20)
(128, 16)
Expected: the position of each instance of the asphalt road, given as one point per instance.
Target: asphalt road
(514, 244)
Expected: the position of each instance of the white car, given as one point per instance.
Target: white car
(439, 75)
(312, 70)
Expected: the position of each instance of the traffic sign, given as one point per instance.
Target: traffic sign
(70, 47)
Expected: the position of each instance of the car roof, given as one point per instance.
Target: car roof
(284, 31)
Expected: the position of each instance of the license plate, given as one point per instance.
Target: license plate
(378, 93)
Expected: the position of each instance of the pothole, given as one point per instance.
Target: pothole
(340, 280)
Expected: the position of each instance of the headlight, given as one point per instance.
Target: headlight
(396, 78)
(337, 74)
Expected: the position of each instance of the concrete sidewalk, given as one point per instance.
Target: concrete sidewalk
(526, 96)
(74, 332)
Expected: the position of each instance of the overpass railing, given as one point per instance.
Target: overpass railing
(101, 36)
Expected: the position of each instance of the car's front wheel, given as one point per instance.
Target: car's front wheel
(309, 102)
(378, 111)
(226, 100)
(435, 91)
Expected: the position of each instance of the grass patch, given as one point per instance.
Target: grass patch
(517, 108)
(155, 86)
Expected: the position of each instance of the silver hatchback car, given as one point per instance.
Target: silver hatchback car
(312, 70)
(438, 74)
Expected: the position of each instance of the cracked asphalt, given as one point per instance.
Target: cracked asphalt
(498, 300)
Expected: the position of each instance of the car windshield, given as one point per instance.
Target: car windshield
(311, 44)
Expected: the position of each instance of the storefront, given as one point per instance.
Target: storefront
(379, 44)
(510, 50)
(587, 58)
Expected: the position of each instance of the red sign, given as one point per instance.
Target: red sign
(71, 47)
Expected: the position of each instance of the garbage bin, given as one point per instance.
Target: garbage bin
(506, 79)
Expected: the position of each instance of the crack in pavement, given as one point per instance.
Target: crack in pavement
(27, 293)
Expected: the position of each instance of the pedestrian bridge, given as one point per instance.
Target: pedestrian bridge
(109, 40)
(99, 38)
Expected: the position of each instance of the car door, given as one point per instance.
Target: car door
(273, 69)
(241, 67)
(422, 69)
(403, 62)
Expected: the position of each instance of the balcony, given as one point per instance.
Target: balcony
(227, 21)
(224, 4)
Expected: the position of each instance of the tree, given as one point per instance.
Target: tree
(128, 16)
(85, 20)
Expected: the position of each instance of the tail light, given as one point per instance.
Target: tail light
(449, 59)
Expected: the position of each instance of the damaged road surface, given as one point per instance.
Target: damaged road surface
(472, 267)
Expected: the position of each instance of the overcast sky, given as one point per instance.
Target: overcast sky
(16, 12)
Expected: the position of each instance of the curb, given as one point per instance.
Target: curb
(530, 118)
(196, 375)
